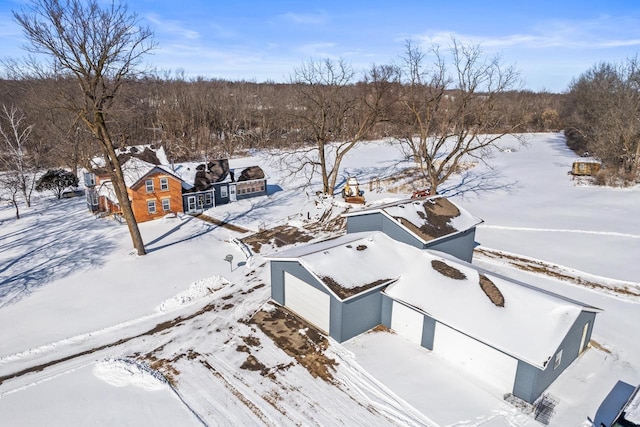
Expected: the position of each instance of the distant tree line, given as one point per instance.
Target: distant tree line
(211, 118)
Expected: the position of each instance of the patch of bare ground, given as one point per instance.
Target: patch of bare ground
(160, 328)
(492, 291)
(379, 328)
(164, 366)
(344, 292)
(241, 397)
(253, 364)
(599, 346)
(251, 341)
(447, 270)
(551, 270)
(278, 236)
(437, 215)
(250, 290)
(284, 328)
(336, 224)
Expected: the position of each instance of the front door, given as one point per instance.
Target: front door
(232, 192)
(191, 204)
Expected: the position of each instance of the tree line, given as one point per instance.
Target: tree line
(196, 118)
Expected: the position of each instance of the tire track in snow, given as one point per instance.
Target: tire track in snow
(561, 230)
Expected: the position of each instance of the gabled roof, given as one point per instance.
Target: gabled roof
(530, 326)
(427, 219)
(135, 170)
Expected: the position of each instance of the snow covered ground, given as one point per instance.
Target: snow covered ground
(95, 335)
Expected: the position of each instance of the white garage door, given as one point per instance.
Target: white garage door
(485, 363)
(407, 322)
(307, 301)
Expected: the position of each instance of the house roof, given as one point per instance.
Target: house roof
(428, 218)
(187, 171)
(530, 326)
(134, 170)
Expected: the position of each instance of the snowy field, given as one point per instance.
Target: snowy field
(95, 335)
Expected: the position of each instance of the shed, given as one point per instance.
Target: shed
(349, 285)
(426, 223)
(585, 167)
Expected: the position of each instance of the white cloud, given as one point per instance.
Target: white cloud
(599, 33)
(175, 28)
(318, 50)
(305, 18)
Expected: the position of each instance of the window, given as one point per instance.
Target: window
(166, 205)
(164, 184)
(556, 363)
(208, 199)
(149, 184)
(223, 192)
(151, 206)
(89, 179)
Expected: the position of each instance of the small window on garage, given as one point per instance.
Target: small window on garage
(558, 359)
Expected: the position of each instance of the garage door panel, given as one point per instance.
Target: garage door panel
(407, 322)
(310, 303)
(495, 368)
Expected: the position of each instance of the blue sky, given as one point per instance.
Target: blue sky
(550, 42)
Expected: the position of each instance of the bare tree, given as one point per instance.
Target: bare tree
(336, 113)
(604, 105)
(9, 189)
(101, 48)
(18, 161)
(452, 112)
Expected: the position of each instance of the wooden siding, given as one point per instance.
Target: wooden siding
(139, 196)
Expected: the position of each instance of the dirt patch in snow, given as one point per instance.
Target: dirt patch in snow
(447, 270)
(278, 236)
(344, 292)
(251, 341)
(253, 364)
(554, 271)
(164, 366)
(298, 339)
(437, 215)
(595, 344)
(492, 291)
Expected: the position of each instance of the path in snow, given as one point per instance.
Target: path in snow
(559, 230)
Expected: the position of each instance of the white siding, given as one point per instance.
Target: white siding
(307, 301)
(489, 365)
(407, 322)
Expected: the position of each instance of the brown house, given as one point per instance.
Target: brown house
(153, 190)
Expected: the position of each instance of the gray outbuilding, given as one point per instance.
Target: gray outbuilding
(426, 223)
(515, 337)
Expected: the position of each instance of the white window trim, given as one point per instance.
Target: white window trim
(148, 187)
(164, 183)
(224, 192)
(151, 210)
(558, 359)
(168, 207)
